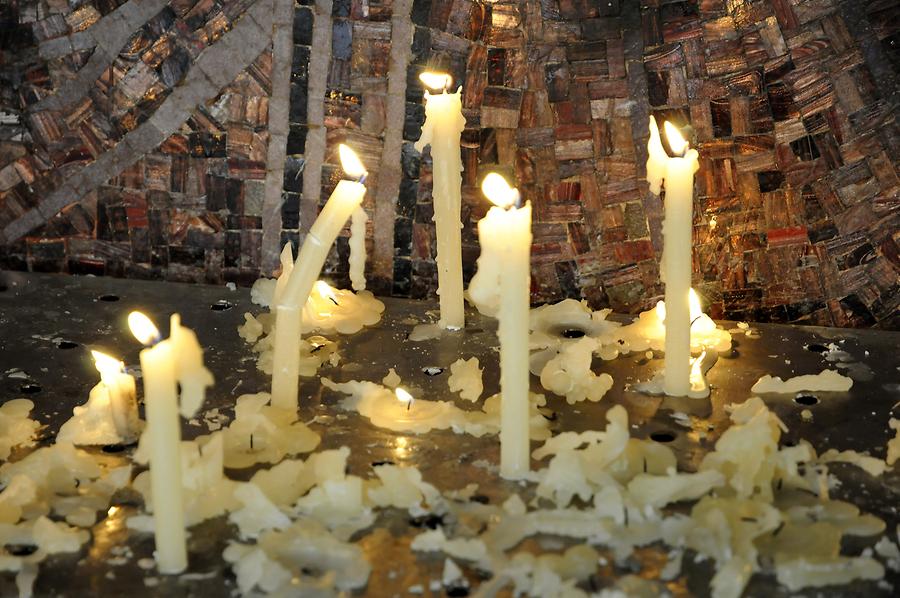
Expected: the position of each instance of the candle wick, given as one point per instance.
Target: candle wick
(409, 404)
(362, 178)
(251, 442)
(695, 319)
(333, 300)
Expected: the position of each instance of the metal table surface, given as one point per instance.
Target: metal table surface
(48, 323)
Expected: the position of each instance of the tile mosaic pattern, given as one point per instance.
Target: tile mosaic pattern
(791, 103)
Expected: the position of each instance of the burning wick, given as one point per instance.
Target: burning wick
(351, 164)
(143, 329)
(325, 290)
(404, 396)
(436, 81)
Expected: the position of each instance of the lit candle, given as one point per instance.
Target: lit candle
(347, 196)
(358, 249)
(165, 365)
(110, 415)
(443, 126)
(504, 270)
(678, 173)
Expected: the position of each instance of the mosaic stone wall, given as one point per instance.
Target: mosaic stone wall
(792, 105)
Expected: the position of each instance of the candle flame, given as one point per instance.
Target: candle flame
(350, 162)
(436, 81)
(143, 328)
(324, 290)
(676, 140)
(693, 302)
(496, 189)
(403, 396)
(106, 363)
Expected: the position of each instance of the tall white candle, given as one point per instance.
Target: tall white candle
(164, 430)
(678, 174)
(358, 249)
(444, 123)
(505, 265)
(347, 196)
(165, 365)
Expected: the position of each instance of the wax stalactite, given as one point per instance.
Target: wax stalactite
(503, 283)
(346, 198)
(111, 414)
(165, 365)
(677, 174)
(443, 127)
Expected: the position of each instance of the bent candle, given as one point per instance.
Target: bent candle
(346, 198)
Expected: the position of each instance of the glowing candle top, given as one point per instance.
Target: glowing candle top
(107, 364)
(498, 191)
(350, 162)
(143, 328)
(677, 143)
(436, 81)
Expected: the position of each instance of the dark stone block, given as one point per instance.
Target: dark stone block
(224, 193)
(300, 65)
(299, 103)
(406, 199)
(303, 25)
(421, 9)
(293, 174)
(341, 40)
(796, 311)
(556, 76)
(85, 267)
(187, 255)
(410, 161)
(172, 70)
(860, 314)
(163, 21)
(781, 101)
(425, 214)
(208, 145)
(720, 110)
(413, 121)
(402, 277)
(140, 245)
(291, 237)
(496, 66)
(403, 237)
(421, 45)
(232, 253)
(567, 275)
(290, 210)
(658, 88)
(770, 180)
(296, 142)
(822, 232)
(341, 8)
(805, 148)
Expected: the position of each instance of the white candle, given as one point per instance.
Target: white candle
(165, 365)
(505, 236)
(347, 196)
(443, 126)
(358, 249)
(678, 174)
(110, 415)
(164, 430)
